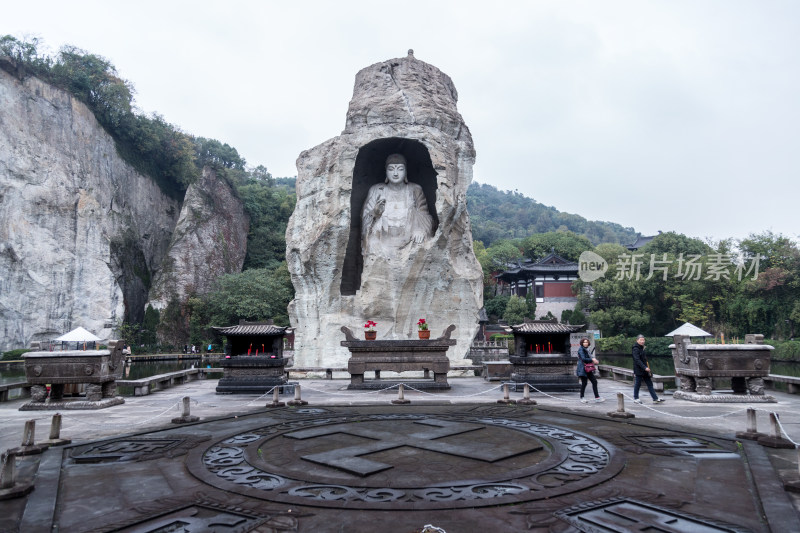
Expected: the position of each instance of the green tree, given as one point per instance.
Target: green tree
(564, 243)
(516, 310)
(255, 294)
(495, 306)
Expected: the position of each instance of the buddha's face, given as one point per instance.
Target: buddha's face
(396, 173)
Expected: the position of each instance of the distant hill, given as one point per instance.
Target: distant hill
(499, 215)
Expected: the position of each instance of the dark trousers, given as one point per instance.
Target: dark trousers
(589, 377)
(637, 382)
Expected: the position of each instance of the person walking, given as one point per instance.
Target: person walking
(586, 369)
(642, 372)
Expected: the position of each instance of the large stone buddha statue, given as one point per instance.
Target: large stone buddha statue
(395, 213)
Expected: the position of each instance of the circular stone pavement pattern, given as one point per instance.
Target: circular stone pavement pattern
(406, 461)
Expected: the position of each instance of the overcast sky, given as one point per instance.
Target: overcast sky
(679, 115)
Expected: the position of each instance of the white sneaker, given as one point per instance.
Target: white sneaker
(658, 400)
(584, 400)
(599, 400)
(637, 401)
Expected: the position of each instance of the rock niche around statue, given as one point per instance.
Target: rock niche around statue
(381, 230)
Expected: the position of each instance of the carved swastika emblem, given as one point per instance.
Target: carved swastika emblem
(429, 437)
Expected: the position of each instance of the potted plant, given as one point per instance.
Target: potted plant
(424, 332)
(369, 333)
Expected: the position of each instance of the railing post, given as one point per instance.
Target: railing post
(620, 412)
(297, 400)
(276, 402)
(506, 400)
(752, 432)
(401, 400)
(526, 396)
(775, 440)
(186, 416)
(55, 432)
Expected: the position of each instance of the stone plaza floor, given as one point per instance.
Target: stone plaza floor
(352, 461)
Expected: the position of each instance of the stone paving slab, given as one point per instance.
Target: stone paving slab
(354, 462)
(469, 467)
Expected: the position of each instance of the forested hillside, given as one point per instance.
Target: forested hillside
(500, 215)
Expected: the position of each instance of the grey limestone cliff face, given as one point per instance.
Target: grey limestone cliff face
(210, 239)
(81, 232)
(403, 106)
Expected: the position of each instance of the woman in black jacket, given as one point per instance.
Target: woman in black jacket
(642, 372)
(585, 358)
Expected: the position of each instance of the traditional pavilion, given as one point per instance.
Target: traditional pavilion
(254, 361)
(549, 279)
(543, 355)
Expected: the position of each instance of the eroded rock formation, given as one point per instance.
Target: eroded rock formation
(81, 232)
(210, 239)
(400, 106)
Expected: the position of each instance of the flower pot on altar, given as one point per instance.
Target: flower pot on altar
(424, 334)
(370, 335)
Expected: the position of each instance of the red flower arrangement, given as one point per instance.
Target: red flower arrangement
(370, 325)
(422, 325)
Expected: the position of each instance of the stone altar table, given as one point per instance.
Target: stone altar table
(98, 369)
(398, 356)
(745, 364)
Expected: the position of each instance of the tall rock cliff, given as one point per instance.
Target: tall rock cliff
(81, 232)
(210, 239)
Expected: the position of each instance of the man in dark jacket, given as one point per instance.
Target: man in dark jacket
(642, 372)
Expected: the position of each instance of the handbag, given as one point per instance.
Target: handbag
(589, 367)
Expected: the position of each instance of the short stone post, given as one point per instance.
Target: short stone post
(186, 416)
(400, 398)
(526, 396)
(752, 432)
(55, 433)
(28, 447)
(9, 488)
(506, 400)
(276, 402)
(776, 440)
(620, 412)
(297, 400)
(7, 474)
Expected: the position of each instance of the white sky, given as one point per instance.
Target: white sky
(675, 115)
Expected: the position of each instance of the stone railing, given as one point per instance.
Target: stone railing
(792, 382)
(6, 389)
(144, 386)
(617, 373)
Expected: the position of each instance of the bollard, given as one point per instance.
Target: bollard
(9, 487)
(186, 416)
(620, 412)
(506, 400)
(55, 432)
(297, 400)
(7, 473)
(28, 447)
(775, 440)
(752, 430)
(526, 396)
(276, 402)
(400, 399)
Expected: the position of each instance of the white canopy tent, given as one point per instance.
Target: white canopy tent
(78, 335)
(690, 330)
